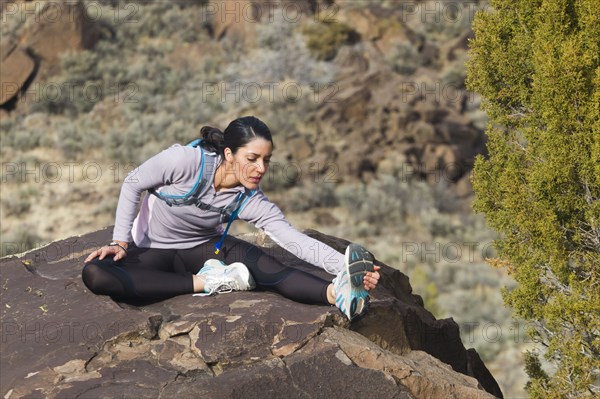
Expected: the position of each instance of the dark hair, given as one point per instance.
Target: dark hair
(237, 134)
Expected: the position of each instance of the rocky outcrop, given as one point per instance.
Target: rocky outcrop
(238, 20)
(419, 119)
(382, 26)
(50, 29)
(58, 27)
(16, 68)
(416, 118)
(60, 340)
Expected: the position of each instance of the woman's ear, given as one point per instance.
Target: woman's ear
(228, 154)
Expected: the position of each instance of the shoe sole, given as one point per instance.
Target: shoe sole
(359, 304)
(359, 261)
(344, 291)
(359, 307)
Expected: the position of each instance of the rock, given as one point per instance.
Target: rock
(417, 371)
(459, 44)
(3, 114)
(50, 29)
(421, 133)
(237, 20)
(464, 187)
(300, 147)
(382, 111)
(444, 159)
(429, 53)
(350, 61)
(385, 27)
(57, 27)
(430, 113)
(16, 68)
(60, 340)
(367, 21)
(419, 115)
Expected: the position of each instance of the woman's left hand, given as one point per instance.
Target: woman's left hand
(372, 278)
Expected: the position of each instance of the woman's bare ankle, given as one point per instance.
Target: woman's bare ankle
(199, 282)
(331, 294)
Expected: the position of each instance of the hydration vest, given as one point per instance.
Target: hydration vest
(228, 214)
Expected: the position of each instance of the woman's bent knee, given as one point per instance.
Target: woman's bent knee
(93, 276)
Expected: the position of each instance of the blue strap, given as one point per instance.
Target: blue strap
(171, 199)
(234, 215)
(193, 197)
(195, 143)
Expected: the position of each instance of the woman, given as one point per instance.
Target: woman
(166, 249)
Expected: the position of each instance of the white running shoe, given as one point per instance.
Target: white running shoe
(240, 273)
(351, 296)
(220, 278)
(213, 263)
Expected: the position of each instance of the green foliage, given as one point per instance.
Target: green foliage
(427, 289)
(385, 203)
(324, 38)
(310, 195)
(22, 239)
(404, 58)
(18, 205)
(537, 65)
(539, 378)
(282, 54)
(454, 73)
(442, 21)
(280, 177)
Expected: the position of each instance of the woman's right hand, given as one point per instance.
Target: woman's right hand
(106, 250)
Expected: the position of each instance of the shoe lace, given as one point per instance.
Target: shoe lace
(221, 289)
(221, 285)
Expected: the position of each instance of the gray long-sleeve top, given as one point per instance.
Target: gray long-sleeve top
(174, 171)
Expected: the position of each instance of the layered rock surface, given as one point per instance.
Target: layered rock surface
(60, 340)
(16, 66)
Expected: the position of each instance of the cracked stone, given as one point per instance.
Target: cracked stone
(242, 344)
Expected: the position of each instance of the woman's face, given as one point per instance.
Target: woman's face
(251, 162)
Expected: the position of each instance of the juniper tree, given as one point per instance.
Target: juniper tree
(536, 64)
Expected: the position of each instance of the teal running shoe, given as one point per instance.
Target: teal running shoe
(351, 296)
(358, 262)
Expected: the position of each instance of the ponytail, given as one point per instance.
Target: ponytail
(214, 139)
(237, 134)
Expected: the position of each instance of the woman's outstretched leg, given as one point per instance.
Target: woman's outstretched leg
(268, 272)
(347, 291)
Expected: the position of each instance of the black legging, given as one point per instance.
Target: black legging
(155, 274)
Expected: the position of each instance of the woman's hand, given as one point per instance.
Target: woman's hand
(118, 252)
(371, 278)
